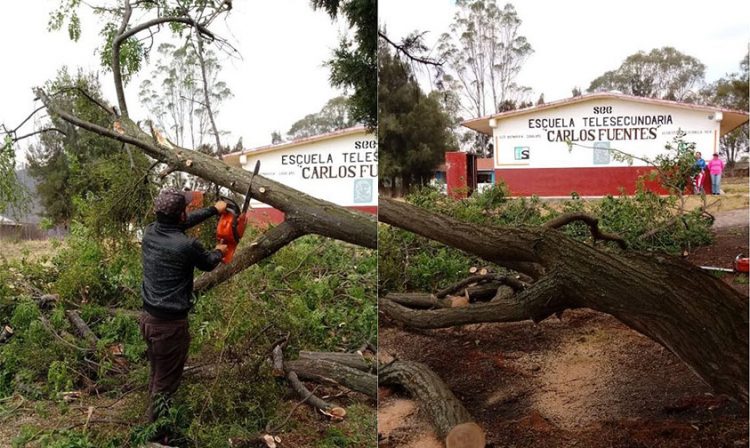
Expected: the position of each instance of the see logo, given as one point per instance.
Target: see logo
(521, 153)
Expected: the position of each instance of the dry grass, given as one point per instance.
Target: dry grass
(31, 250)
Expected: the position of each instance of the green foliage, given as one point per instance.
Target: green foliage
(92, 271)
(59, 377)
(354, 64)
(333, 116)
(413, 129)
(13, 194)
(676, 166)
(662, 73)
(319, 291)
(83, 175)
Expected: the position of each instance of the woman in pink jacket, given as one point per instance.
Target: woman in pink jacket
(715, 168)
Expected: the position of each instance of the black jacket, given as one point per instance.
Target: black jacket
(169, 258)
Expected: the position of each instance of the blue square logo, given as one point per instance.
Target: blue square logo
(363, 191)
(521, 153)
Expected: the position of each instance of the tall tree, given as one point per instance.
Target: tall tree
(413, 129)
(174, 93)
(731, 92)
(483, 53)
(354, 63)
(661, 73)
(333, 116)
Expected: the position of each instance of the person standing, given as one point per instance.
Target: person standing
(700, 167)
(169, 258)
(715, 168)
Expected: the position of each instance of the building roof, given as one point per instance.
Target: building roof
(234, 157)
(731, 121)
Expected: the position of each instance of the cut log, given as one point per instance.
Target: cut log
(418, 300)
(82, 329)
(450, 418)
(353, 360)
(696, 316)
(6, 334)
(323, 371)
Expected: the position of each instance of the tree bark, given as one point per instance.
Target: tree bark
(323, 371)
(451, 419)
(698, 317)
(304, 212)
(82, 329)
(353, 360)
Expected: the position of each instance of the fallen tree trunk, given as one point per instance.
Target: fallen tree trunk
(696, 316)
(353, 360)
(323, 371)
(452, 421)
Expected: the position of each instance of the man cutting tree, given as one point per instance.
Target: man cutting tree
(169, 258)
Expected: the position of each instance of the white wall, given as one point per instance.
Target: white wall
(342, 169)
(545, 141)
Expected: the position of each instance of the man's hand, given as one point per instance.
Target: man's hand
(222, 248)
(220, 206)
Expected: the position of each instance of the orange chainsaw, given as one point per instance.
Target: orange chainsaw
(233, 220)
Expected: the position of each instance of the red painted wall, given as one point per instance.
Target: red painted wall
(584, 181)
(261, 217)
(455, 174)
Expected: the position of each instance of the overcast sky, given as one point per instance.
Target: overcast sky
(575, 41)
(280, 78)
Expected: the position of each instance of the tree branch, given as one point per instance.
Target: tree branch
(407, 52)
(264, 246)
(593, 224)
(536, 303)
(308, 214)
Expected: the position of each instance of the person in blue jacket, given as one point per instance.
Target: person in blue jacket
(700, 173)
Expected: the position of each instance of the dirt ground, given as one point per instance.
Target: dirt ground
(585, 380)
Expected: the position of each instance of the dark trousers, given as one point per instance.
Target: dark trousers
(167, 343)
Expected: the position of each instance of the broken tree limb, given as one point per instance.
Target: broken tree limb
(323, 371)
(482, 278)
(306, 213)
(306, 395)
(353, 360)
(418, 300)
(696, 316)
(282, 369)
(265, 245)
(452, 421)
(593, 224)
(82, 329)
